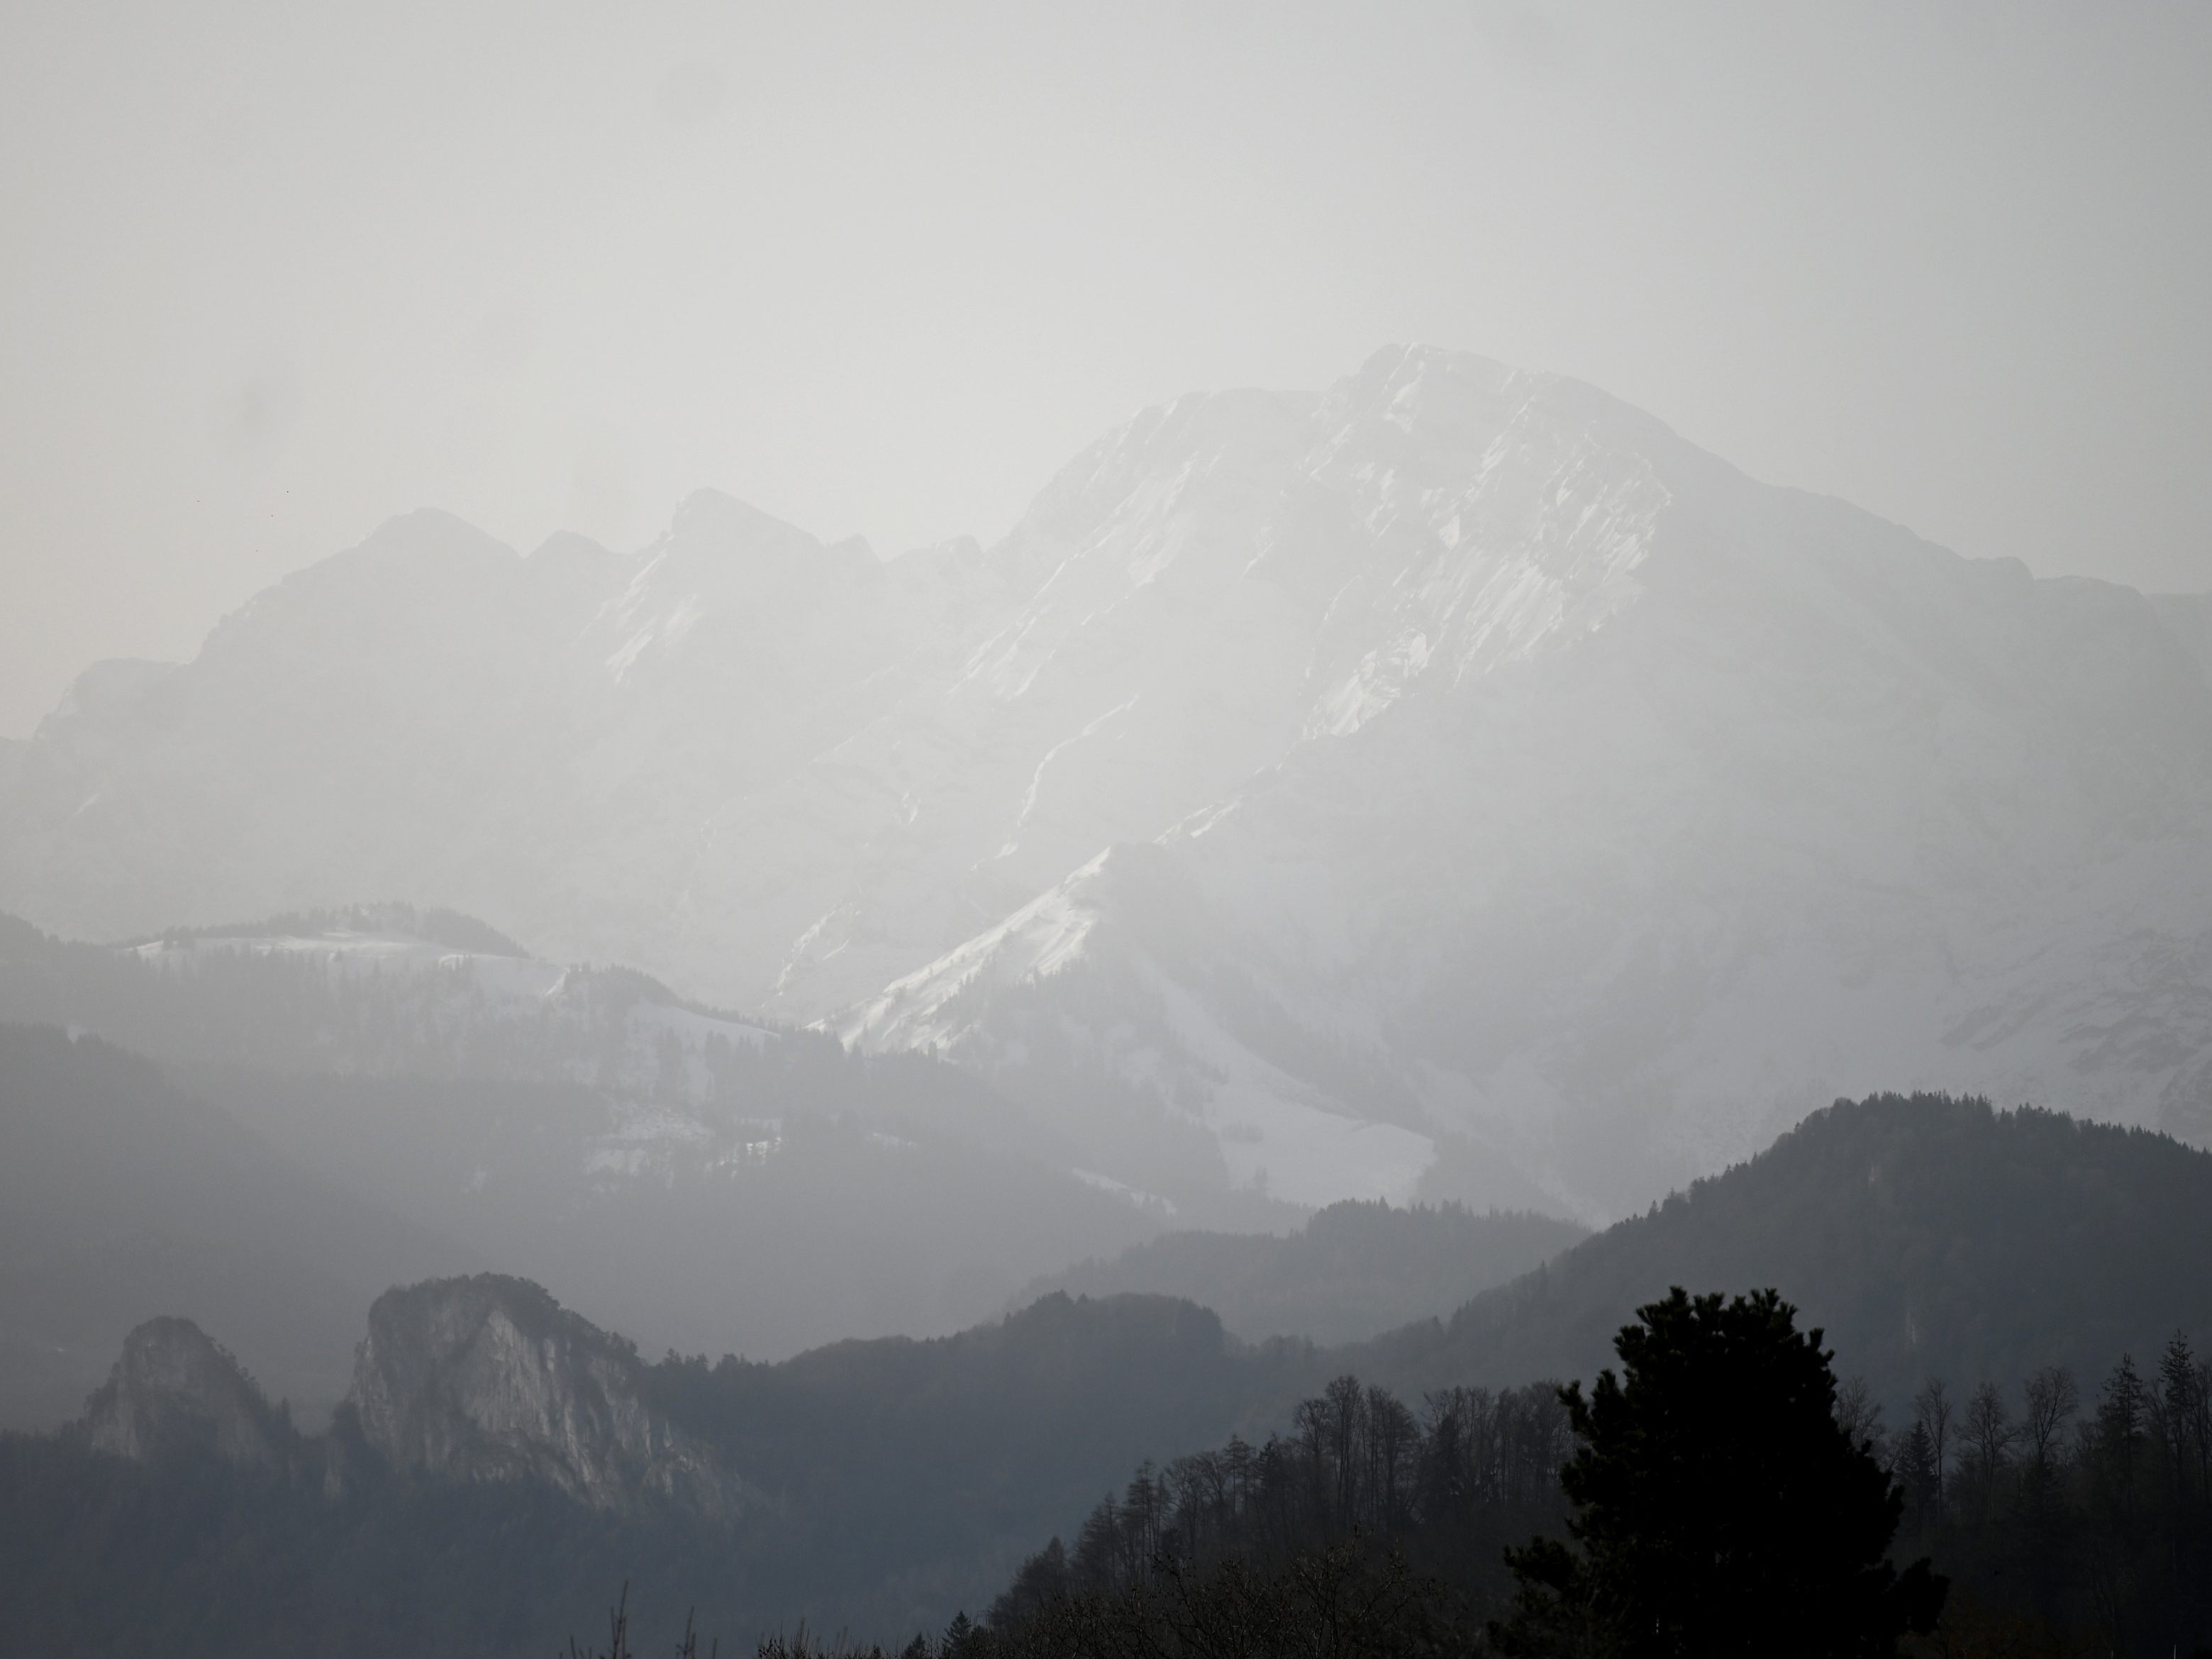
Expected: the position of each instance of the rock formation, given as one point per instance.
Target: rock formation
(176, 1389)
(489, 1378)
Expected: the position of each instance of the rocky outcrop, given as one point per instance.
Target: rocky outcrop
(482, 1379)
(176, 1389)
(489, 1378)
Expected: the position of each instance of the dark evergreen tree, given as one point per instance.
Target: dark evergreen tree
(1915, 1469)
(1720, 1507)
(1931, 1414)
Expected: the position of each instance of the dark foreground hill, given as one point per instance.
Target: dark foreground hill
(1927, 1236)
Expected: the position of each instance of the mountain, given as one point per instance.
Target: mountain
(2188, 616)
(710, 1183)
(1353, 1270)
(390, 991)
(1642, 808)
(1927, 1236)
(379, 988)
(1449, 784)
(490, 1379)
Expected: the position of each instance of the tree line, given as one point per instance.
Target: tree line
(2066, 1513)
(1472, 1470)
(1723, 1495)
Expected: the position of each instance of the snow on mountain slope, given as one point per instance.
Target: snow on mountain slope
(1449, 777)
(1780, 804)
(612, 1028)
(383, 990)
(1219, 582)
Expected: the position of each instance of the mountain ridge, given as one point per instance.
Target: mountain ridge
(1353, 1270)
(1283, 730)
(1927, 1234)
(308, 1131)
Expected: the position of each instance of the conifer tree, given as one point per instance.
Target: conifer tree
(1720, 1510)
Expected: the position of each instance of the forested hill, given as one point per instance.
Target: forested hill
(1927, 1234)
(1355, 1270)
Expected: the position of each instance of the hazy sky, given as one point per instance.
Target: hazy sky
(269, 274)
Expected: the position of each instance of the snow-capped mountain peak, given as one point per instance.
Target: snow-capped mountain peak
(1448, 781)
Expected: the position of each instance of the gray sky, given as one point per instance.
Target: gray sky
(269, 274)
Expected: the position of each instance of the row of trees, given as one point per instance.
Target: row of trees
(1710, 1499)
(1474, 1470)
(1718, 1496)
(2062, 1511)
(1721, 1494)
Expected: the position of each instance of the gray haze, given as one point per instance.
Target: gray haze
(268, 275)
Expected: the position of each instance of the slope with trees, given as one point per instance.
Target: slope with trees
(1926, 1234)
(1354, 1270)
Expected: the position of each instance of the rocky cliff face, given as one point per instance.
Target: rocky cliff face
(176, 1389)
(489, 1379)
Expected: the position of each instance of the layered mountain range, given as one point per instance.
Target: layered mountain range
(1450, 782)
(501, 1464)
(319, 1107)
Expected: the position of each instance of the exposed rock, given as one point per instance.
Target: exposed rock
(176, 1389)
(489, 1378)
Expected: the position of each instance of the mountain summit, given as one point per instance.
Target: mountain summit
(489, 1378)
(175, 1389)
(1450, 782)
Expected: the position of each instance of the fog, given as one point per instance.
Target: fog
(269, 276)
(1193, 745)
